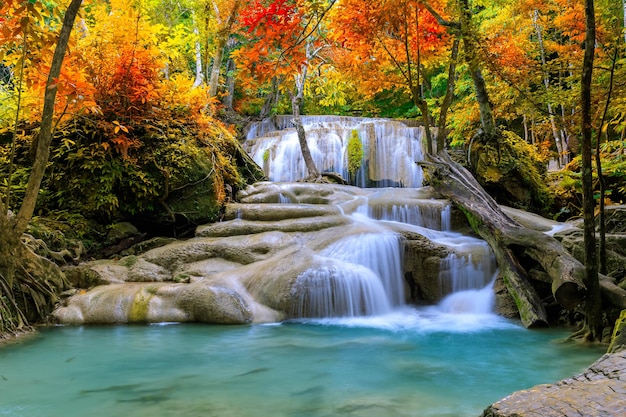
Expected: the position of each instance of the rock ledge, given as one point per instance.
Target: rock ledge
(600, 391)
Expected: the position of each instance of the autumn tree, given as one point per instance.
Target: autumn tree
(28, 282)
(397, 44)
(225, 12)
(593, 314)
(287, 40)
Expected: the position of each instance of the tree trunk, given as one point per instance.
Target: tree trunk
(27, 281)
(546, 83)
(230, 84)
(222, 38)
(217, 64)
(423, 106)
(472, 60)
(45, 134)
(296, 104)
(199, 75)
(447, 100)
(518, 249)
(593, 313)
(296, 101)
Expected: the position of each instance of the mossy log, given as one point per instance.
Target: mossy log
(518, 249)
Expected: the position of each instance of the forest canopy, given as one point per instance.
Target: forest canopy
(146, 86)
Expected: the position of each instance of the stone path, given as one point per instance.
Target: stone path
(600, 391)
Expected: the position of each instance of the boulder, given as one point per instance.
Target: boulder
(598, 391)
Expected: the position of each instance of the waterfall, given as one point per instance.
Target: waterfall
(475, 301)
(431, 216)
(364, 277)
(390, 150)
(468, 279)
(379, 252)
(362, 274)
(347, 290)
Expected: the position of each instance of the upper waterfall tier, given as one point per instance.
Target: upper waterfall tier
(390, 149)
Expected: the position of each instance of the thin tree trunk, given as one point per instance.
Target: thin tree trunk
(447, 100)
(27, 281)
(230, 84)
(602, 246)
(526, 135)
(45, 133)
(217, 65)
(222, 39)
(296, 103)
(593, 313)
(472, 60)
(416, 88)
(546, 84)
(199, 75)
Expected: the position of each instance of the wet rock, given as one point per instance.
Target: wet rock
(600, 391)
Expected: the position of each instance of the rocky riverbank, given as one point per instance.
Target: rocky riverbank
(599, 391)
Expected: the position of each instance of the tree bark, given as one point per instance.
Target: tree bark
(463, 28)
(447, 100)
(222, 39)
(199, 75)
(296, 101)
(593, 313)
(27, 281)
(472, 60)
(45, 134)
(230, 84)
(517, 248)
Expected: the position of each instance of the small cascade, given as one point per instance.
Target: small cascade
(467, 276)
(379, 252)
(390, 150)
(474, 301)
(431, 216)
(446, 218)
(364, 278)
(471, 266)
(339, 290)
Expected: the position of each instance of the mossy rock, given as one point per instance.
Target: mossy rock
(618, 340)
(511, 171)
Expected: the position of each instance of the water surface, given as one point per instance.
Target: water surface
(411, 363)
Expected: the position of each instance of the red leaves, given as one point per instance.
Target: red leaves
(269, 17)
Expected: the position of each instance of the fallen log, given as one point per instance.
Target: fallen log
(518, 249)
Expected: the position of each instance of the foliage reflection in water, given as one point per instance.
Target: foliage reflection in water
(412, 362)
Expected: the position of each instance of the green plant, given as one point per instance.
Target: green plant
(355, 152)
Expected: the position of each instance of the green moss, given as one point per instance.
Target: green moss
(266, 155)
(128, 261)
(473, 221)
(139, 309)
(182, 278)
(355, 152)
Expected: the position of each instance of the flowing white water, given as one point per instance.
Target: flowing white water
(380, 253)
(390, 150)
(363, 278)
(364, 275)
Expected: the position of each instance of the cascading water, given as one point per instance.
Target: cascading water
(364, 272)
(390, 150)
(363, 278)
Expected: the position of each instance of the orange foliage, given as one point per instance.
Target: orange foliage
(383, 40)
(275, 47)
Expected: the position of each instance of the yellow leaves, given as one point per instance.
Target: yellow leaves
(119, 127)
